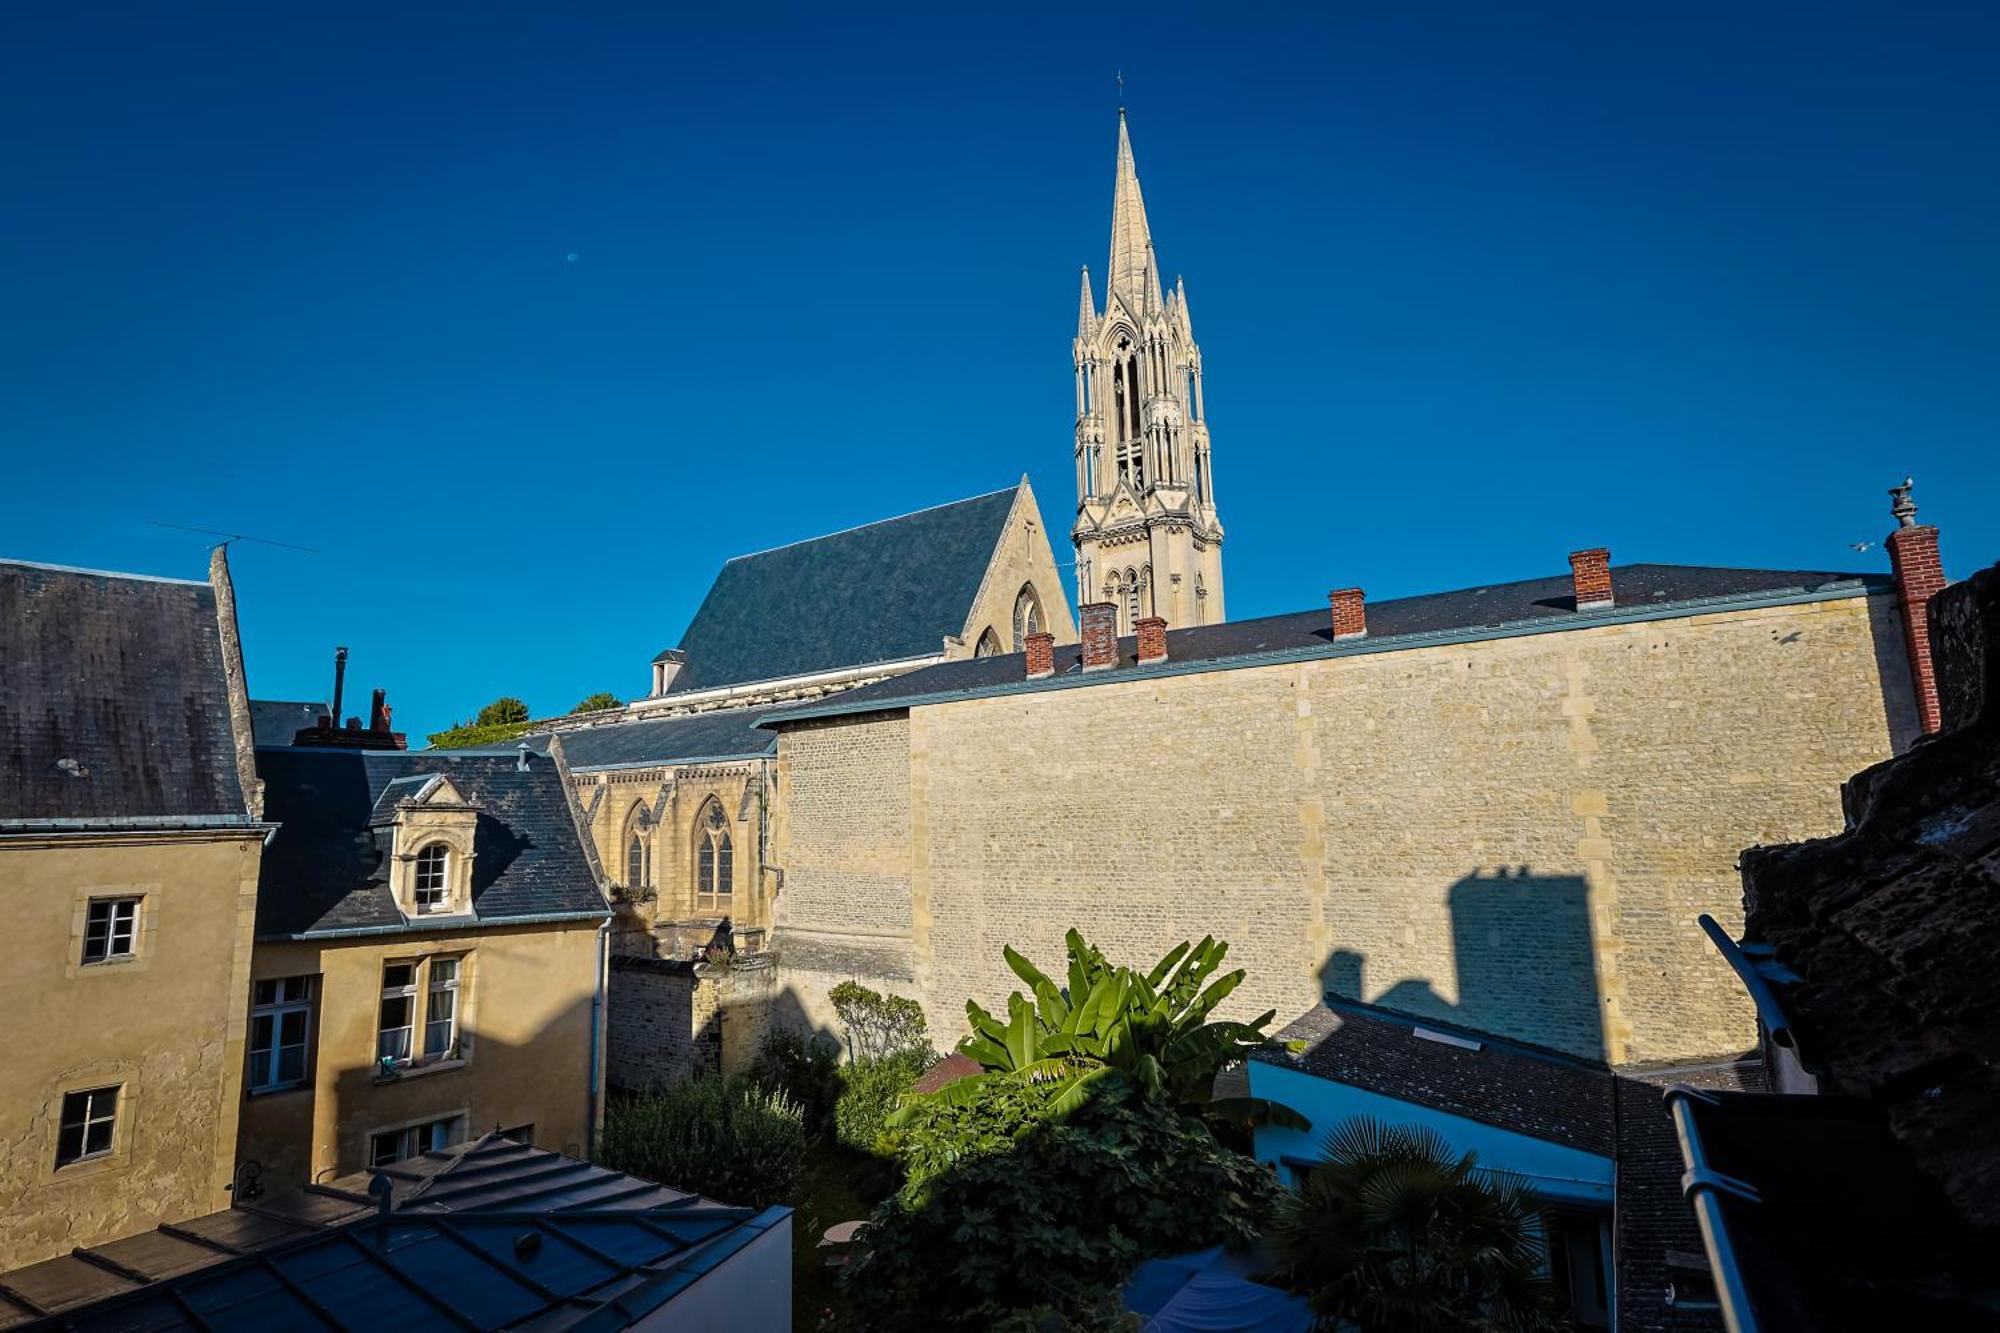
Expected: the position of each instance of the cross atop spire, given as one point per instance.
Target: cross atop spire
(1132, 269)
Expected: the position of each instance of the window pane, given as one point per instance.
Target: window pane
(291, 1064)
(97, 1136)
(724, 869)
(444, 972)
(398, 974)
(395, 1045)
(69, 1144)
(260, 1033)
(292, 1027)
(266, 992)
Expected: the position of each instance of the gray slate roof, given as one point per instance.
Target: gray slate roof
(1533, 603)
(1542, 1094)
(877, 593)
(730, 733)
(276, 721)
(113, 701)
(324, 1257)
(327, 867)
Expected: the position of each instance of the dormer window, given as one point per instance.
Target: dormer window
(430, 886)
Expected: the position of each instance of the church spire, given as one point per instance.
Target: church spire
(1086, 309)
(1132, 269)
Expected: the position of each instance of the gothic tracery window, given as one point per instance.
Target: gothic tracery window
(1027, 617)
(714, 858)
(638, 849)
(1131, 591)
(988, 645)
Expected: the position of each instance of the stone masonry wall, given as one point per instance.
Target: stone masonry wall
(1516, 834)
(661, 1024)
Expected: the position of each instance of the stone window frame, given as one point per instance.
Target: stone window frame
(125, 1130)
(145, 937)
(462, 1116)
(1029, 617)
(714, 856)
(420, 991)
(430, 878)
(638, 840)
(988, 645)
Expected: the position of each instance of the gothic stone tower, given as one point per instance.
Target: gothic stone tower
(1147, 536)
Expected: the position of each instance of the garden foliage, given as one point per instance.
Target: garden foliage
(878, 1026)
(869, 1091)
(724, 1137)
(805, 1066)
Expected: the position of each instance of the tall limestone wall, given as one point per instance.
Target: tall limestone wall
(1514, 834)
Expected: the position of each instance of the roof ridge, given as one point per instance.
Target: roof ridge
(106, 573)
(875, 523)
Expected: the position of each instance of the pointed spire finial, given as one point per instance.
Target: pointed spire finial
(1086, 308)
(1132, 271)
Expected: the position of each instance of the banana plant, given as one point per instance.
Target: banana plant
(1150, 1027)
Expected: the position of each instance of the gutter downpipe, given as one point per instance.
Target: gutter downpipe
(593, 1098)
(1701, 1185)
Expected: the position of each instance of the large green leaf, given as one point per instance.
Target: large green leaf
(1167, 964)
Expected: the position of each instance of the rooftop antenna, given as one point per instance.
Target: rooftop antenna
(228, 537)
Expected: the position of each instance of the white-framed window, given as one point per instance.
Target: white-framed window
(280, 1022)
(399, 1011)
(441, 1010)
(429, 885)
(397, 1145)
(110, 929)
(88, 1126)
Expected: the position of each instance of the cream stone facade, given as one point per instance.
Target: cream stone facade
(1516, 831)
(1148, 539)
(682, 843)
(521, 999)
(163, 1027)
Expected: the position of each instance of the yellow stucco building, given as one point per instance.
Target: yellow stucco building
(130, 840)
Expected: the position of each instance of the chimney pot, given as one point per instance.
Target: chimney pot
(1100, 635)
(1919, 574)
(378, 711)
(1350, 613)
(1590, 577)
(1152, 639)
(1041, 647)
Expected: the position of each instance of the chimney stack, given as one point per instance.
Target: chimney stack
(378, 711)
(1152, 640)
(1100, 635)
(1919, 573)
(339, 681)
(1041, 655)
(1350, 613)
(1590, 574)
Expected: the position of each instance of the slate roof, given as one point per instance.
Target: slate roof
(276, 721)
(325, 1256)
(726, 733)
(327, 866)
(1530, 604)
(1542, 1094)
(877, 593)
(113, 701)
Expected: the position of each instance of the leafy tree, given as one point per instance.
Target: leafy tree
(1392, 1231)
(869, 1091)
(503, 720)
(1018, 1216)
(725, 1137)
(805, 1067)
(1151, 1029)
(878, 1026)
(501, 711)
(598, 703)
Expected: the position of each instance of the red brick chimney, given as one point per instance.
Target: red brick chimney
(1913, 558)
(1152, 639)
(1100, 635)
(1041, 655)
(1350, 613)
(1590, 574)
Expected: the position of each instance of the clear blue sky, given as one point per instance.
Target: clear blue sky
(1475, 285)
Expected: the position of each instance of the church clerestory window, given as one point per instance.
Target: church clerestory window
(1027, 617)
(988, 645)
(639, 850)
(714, 858)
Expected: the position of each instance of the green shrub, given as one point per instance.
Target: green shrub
(1012, 1209)
(878, 1026)
(723, 1137)
(805, 1066)
(868, 1092)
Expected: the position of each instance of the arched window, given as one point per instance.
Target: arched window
(714, 859)
(1027, 616)
(427, 888)
(639, 849)
(1131, 590)
(988, 645)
